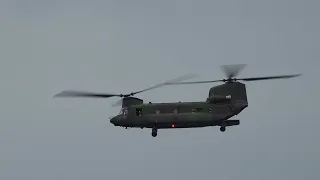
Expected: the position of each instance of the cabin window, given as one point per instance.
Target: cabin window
(138, 111)
(157, 111)
(210, 110)
(193, 110)
(175, 111)
(199, 109)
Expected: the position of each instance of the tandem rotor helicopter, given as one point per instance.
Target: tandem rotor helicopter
(223, 102)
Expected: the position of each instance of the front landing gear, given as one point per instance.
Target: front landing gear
(154, 132)
(222, 129)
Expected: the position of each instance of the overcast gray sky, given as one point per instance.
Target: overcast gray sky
(124, 45)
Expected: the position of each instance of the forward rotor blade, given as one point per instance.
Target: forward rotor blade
(71, 93)
(175, 80)
(232, 70)
(269, 77)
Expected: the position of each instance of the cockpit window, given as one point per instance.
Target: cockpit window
(123, 111)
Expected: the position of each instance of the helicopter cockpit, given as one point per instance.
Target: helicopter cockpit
(123, 111)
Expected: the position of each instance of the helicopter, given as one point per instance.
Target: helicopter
(224, 101)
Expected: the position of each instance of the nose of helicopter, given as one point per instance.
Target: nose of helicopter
(115, 120)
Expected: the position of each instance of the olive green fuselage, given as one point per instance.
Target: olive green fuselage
(177, 115)
(223, 102)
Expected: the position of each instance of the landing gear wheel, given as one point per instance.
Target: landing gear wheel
(222, 129)
(154, 132)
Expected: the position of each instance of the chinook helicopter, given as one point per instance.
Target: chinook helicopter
(223, 102)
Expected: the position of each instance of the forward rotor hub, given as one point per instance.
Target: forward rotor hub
(230, 80)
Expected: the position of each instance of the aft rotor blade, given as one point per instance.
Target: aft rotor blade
(269, 77)
(235, 79)
(71, 93)
(175, 80)
(194, 82)
(232, 70)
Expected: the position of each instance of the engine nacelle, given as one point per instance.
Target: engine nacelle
(218, 98)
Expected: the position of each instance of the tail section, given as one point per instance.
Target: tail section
(230, 98)
(234, 92)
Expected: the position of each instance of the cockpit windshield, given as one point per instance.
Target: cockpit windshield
(123, 111)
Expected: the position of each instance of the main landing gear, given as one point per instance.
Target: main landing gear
(223, 126)
(154, 132)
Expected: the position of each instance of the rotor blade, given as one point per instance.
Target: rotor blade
(194, 82)
(269, 77)
(175, 80)
(232, 70)
(71, 93)
(244, 79)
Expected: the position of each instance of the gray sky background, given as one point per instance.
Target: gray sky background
(125, 45)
